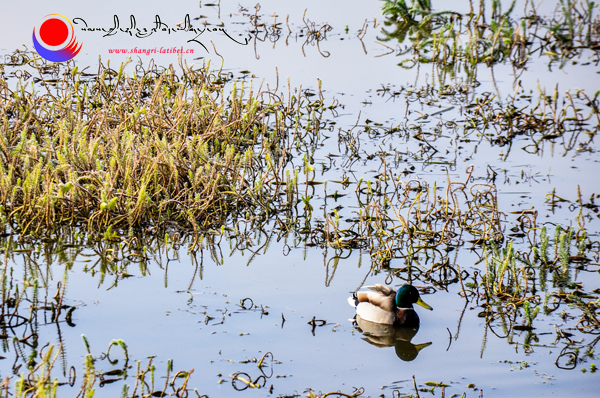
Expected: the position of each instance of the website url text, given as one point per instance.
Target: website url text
(148, 51)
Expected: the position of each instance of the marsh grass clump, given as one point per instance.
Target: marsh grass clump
(451, 38)
(514, 282)
(461, 41)
(512, 275)
(116, 150)
(399, 219)
(418, 9)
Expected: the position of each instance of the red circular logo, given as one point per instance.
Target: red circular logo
(54, 32)
(55, 39)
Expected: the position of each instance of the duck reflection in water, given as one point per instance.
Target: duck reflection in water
(387, 318)
(399, 337)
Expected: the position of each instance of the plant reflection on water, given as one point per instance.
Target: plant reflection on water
(102, 174)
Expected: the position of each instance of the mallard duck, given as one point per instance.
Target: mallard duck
(382, 304)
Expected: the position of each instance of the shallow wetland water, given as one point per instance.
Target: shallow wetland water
(196, 230)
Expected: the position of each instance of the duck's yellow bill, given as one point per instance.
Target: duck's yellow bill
(424, 304)
(419, 347)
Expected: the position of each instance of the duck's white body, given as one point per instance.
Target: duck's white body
(372, 313)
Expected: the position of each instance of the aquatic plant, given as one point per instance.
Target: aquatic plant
(311, 33)
(461, 41)
(156, 147)
(399, 9)
(571, 119)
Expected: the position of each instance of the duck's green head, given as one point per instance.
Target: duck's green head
(408, 295)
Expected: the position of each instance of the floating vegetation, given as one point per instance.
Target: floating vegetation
(28, 305)
(570, 119)
(574, 117)
(516, 285)
(120, 172)
(38, 383)
(242, 380)
(25, 305)
(418, 10)
(462, 41)
(357, 393)
(310, 32)
(399, 219)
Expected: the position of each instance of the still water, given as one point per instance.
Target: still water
(197, 312)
